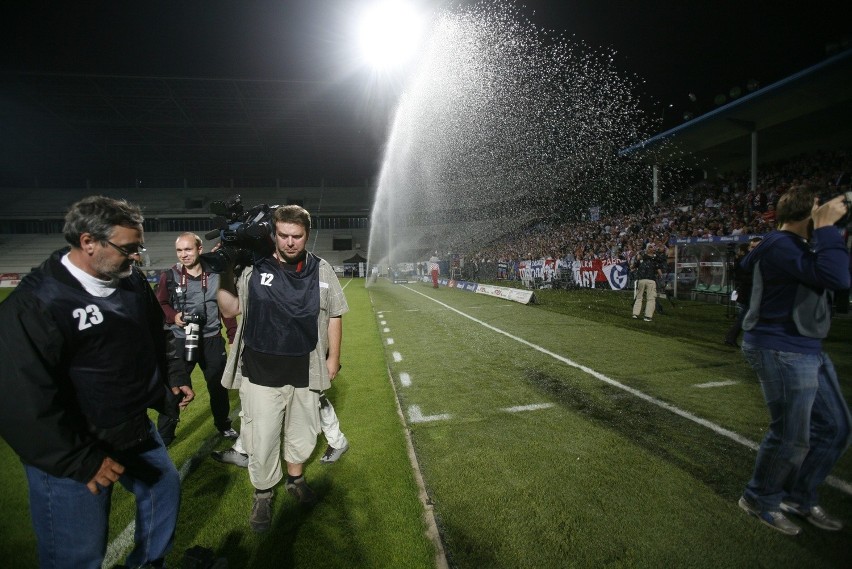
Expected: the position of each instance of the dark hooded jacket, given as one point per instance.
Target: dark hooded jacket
(790, 306)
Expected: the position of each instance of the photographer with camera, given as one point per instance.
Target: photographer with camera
(794, 271)
(285, 354)
(187, 294)
(648, 270)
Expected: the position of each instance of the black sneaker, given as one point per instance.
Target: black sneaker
(300, 490)
(230, 433)
(816, 516)
(261, 511)
(332, 454)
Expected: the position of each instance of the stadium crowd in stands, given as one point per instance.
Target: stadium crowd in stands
(720, 207)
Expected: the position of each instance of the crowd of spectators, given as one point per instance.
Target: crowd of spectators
(720, 207)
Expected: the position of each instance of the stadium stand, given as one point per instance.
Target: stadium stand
(32, 219)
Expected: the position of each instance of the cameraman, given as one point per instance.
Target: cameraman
(794, 270)
(286, 352)
(187, 294)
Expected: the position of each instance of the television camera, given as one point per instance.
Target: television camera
(244, 236)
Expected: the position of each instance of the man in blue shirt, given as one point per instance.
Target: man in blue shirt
(794, 270)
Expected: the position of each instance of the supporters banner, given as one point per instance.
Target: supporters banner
(597, 273)
(616, 275)
(544, 269)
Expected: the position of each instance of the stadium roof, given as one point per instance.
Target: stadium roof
(72, 127)
(65, 129)
(808, 111)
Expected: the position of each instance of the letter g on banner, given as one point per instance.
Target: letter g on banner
(616, 275)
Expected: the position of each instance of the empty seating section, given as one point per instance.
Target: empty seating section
(339, 215)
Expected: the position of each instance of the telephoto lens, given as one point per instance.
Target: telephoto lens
(190, 349)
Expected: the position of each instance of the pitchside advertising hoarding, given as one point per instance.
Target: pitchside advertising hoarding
(9, 279)
(513, 294)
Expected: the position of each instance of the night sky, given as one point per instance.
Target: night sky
(677, 46)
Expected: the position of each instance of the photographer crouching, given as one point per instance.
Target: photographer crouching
(187, 294)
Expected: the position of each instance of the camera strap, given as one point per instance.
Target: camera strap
(184, 277)
(183, 285)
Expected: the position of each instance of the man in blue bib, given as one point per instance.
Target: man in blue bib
(285, 354)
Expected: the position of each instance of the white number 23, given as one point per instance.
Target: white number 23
(88, 316)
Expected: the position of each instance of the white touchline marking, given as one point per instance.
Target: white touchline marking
(405, 379)
(533, 407)
(390, 341)
(124, 541)
(715, 384)
(397, 357)
(385, 329)
(415, 415)
(383, 322)
(841, 485)
(346, 285)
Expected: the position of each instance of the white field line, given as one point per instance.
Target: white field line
(397, 357)
(533, 407)
(390, 341)
(405, 379)
(415, 415)
(385, 329)
(124, 541)
(841, 485)
(715, 384)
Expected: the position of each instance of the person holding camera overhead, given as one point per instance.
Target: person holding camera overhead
(285, 354)
(794, 270)
(187, 294)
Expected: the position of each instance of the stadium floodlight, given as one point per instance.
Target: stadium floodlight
(389, 33)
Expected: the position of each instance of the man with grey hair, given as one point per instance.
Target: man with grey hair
(83, 351)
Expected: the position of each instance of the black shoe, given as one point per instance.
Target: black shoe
(261, 511)
(300, 490)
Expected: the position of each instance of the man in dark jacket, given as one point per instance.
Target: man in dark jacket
(794, 269)
(742, 278)
(648, 271)
(83, 351)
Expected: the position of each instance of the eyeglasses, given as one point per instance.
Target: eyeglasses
(139, 249)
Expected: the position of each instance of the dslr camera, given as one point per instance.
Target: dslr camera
(244, 236)
(193, 323)
(841, 188)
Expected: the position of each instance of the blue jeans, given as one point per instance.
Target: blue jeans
(809, 426)
(71, 524)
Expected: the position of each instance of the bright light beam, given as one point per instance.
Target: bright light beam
(389, 33)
